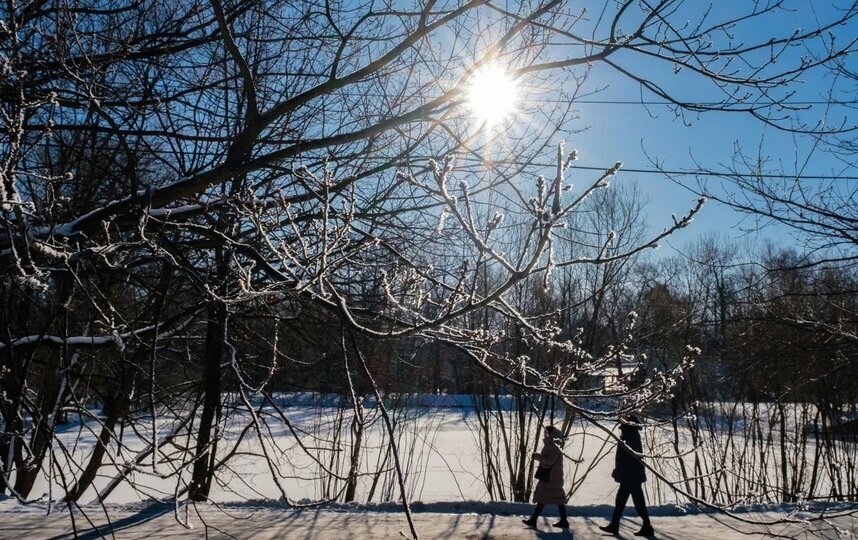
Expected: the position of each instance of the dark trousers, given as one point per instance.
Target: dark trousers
(636, 491)
(540, 506)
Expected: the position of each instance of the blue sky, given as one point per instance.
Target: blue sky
(625, 132)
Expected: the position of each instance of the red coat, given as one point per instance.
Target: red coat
(551, 491)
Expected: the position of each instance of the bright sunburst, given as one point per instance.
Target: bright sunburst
(492, 94)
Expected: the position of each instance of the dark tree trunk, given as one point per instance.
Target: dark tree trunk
(116, 406)
(13, 386)
(50, 386)
(204, 457)
(26, 475)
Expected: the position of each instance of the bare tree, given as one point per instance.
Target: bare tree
(179, 181)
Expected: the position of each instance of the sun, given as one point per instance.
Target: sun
(492, 94)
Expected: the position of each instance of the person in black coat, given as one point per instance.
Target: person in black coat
(630, 473)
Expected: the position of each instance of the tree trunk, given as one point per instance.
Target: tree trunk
(204, 457)
(116, 407)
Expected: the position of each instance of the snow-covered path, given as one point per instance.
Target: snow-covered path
(264, 522)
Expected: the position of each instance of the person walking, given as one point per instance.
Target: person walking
(630, 473)
(549, 475)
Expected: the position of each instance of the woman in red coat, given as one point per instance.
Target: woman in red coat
(550, 489)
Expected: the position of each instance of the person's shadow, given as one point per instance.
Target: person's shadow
(556, 534)
(91, 531)
(620, 536)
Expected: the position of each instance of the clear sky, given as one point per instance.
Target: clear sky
(628, 133)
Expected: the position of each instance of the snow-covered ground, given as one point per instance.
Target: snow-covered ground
(432, 520)
(440, 444)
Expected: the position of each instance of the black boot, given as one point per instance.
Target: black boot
(536, 512)
(612, 528)
(563, 523)
(646, 530)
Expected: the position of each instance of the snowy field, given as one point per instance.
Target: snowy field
(439, 446)
(305, 438)
(442, 451)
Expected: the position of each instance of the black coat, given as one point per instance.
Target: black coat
(629, 469)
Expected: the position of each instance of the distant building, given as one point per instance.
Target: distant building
(632, 369)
